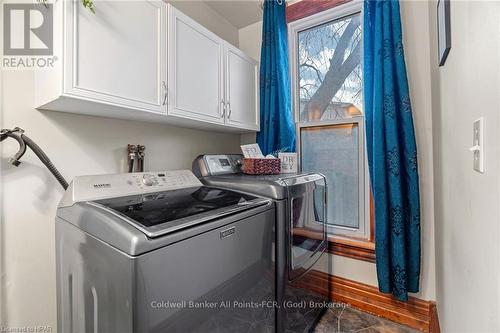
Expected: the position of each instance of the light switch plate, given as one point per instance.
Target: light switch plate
(477, 141)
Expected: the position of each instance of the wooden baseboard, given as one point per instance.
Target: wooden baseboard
(416, 313)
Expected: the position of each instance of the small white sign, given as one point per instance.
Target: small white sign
(288, 162)
(252, 151)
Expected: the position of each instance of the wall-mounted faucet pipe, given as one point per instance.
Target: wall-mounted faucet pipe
(140, 157)
(135, 157)
(24, 141)
(131, 151)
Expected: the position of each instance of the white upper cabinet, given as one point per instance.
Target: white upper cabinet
(195, 70)
(241, 90)
(111, 63)
(209, 79)
(118, 54)
(145, 60)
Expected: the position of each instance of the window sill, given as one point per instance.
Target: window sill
(352, 248)
(359, 249)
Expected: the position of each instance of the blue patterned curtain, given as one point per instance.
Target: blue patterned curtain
(392, 152)
(276, 119)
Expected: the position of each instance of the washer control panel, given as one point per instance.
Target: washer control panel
(166, 180)
(88, 188)
(222, 164)
(149, 179)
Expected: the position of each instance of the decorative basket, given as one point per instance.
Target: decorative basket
(261, 166)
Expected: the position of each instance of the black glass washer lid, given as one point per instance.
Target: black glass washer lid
(168, 211)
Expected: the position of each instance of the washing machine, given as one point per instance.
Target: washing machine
(300, 235)
(161, 252)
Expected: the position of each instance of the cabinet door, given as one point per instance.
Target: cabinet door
(195, 70)
(241, 90)
(118, 54)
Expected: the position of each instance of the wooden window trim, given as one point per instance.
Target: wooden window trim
(307, 8)
(356, 249)
(360, 249)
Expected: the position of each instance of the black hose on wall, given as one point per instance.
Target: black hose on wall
(45, 160)
(24, 141)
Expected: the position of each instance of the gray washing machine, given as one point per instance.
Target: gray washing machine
(300, 237)
(160, 252)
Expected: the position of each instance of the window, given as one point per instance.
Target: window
(329, 70)
(327, 88)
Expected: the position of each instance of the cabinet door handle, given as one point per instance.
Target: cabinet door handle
(228, 105)
(223, 108)
(165, 92)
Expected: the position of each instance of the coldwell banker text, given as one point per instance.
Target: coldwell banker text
(212, 305)
(244, 304)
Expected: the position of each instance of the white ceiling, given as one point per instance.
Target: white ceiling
(239, 13)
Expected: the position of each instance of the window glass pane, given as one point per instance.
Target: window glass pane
(333, 150)
(329, 70)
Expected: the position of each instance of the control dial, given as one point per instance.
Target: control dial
(149, 180)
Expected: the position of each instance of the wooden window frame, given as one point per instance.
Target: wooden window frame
(305, 8)
(359, 249)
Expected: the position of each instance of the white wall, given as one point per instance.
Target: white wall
(77, 145)
(467, 202)
(249, 39)
(206, 16)
(415, 19)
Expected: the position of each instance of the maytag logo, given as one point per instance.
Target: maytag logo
(227, 232)
(103, 185)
